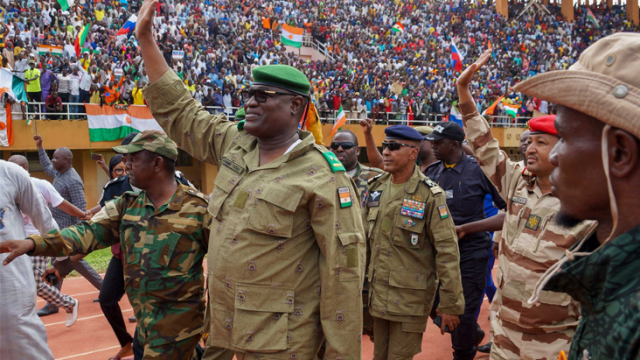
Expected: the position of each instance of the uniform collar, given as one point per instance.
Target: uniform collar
(411, 186)
(253, 154)
(459, 166)
(174, 204)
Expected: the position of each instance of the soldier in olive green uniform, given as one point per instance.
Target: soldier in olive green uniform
(163, 230)
(413, 248)
(345, 146)
(287, 250)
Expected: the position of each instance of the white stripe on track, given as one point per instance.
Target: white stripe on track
(88, 353)
(84, 318)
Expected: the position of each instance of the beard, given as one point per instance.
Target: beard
(566, 221)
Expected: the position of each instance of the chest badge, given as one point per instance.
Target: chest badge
(417, 197)
(409, 222)
(414, 239)
(374, 198)
(519, 200)
(412, 208)
(533, 222)
(345, 197)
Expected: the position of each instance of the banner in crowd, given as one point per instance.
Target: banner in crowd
(511, 110)
(6, 123)
(177, 54)
(80, 39)
(454, 114)
(54, 50)
(291, 36)
(106, 123)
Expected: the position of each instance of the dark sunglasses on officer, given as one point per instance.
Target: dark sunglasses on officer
(395, 146)
(345, 145)
(260, 95)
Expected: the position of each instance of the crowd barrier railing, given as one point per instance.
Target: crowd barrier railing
(75, 111)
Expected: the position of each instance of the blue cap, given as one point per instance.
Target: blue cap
(403, 132)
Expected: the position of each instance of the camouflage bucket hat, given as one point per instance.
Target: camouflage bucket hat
(150, 140)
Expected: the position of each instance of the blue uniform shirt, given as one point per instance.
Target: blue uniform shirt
(465, 186)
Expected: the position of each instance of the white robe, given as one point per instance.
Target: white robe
(22, 333)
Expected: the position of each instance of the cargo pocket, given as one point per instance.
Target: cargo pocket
(408, 232)
(261, 318)
(349, 259)
(407, 293)
(273, 213)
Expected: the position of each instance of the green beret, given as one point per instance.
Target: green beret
(282, 76)
(239, 114)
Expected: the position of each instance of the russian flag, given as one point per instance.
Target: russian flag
(129, 26)
(456, 57)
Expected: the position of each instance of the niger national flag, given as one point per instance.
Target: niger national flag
(6, 123)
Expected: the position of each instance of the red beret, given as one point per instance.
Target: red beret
(543, 125)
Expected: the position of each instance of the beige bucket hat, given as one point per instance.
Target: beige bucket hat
(604, 83)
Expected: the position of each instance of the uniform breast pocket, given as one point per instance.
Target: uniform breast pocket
(408, 232)
(225, 182)
(274, 210)
(371, 220)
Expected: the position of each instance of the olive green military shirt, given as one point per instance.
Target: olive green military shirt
(163, 250)
(413, 248)
(286, 259)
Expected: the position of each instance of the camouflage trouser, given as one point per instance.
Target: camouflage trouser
(395, 340)
(509, 344)
(180, 350)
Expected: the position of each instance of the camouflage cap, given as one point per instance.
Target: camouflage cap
(150, 140)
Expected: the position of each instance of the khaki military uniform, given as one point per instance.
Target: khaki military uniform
(163, 272)
(287, 250)
(413, 248)
(361, 178)
(530, 244)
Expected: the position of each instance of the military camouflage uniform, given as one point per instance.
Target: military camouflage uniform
(286, 254)
(530, 244)
(361, 178)
(413, 248)
(163, 251)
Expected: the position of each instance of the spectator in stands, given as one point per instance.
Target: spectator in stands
(53, 104)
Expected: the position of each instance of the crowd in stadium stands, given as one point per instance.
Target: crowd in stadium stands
(371, 71)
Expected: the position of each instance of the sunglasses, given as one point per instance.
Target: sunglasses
(261, 96)
(345, 145)
(118, 171)
(395, 146)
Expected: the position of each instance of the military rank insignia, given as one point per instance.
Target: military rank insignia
(442, 209)
(374, 198)
(414, 239)
(519, 200)
(533, 222)
(345, 197)
(412, 208)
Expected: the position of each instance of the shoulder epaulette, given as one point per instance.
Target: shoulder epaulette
(374, 178)
(435, 188)
(196, 193)
(473, 159)
(331, 158)
(240, 125)
(113, 181)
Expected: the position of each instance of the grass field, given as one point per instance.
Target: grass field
(99, 260)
